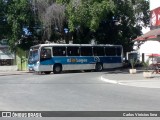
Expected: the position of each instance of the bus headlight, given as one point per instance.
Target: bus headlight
(38, 62)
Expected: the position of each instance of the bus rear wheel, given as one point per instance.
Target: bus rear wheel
(57, 69)
(99, 67)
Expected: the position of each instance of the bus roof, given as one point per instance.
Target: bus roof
(54, 44)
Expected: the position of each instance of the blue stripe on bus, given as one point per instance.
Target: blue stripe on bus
(81, 60)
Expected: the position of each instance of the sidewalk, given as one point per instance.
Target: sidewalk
(6, 73)
(136, 80)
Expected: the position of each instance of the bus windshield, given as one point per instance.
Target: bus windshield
(33, 56)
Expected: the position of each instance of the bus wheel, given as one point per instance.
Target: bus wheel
(99, 67)
(57, 69)
(47, 72)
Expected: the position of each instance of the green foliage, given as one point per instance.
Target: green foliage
(122, 29)
(146, 65)
(133, 62)
(63, 1)
(87, 13)
(4, 27)
(106, 21)
(142, 11)
(18, 16)
(109, 22)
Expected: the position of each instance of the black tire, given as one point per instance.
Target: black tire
(47, 72)
(57, 69)
(99, 67)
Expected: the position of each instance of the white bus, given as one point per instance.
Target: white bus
(55, 58)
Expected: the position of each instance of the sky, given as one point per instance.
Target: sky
(154, 4)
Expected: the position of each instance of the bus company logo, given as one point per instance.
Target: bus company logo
(73, 60)
(6, 114)
(96, 59)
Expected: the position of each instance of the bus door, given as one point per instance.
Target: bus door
(46, 55)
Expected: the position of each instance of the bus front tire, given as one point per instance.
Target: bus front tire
(99, 67)
(57, 69)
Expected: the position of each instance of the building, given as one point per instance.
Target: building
(149, 43)
(7, 59)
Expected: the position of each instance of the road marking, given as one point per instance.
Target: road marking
(133, 83)
(109, 81)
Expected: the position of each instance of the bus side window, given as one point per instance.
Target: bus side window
(59, 51)
(73, 51)
(119, 51)
(86, 51)
(45, 53)
(48, 53)
(110, 51)
(64, 53)
(98, 51)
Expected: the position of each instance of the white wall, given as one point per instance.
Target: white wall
(9, 68)
(149, 47)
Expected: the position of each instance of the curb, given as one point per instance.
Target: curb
(133, 83)
(109, 81)
(6, 73)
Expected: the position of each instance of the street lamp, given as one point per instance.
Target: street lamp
(66, 35)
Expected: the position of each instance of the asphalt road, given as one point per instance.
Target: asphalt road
(73, 92)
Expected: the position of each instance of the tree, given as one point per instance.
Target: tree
(132, 15)
(51, 16)
(109, 22)
(87, 13)
(18, 17)
(142, 12)
(84, 17)
(119, 27)
(106, 21)
(4, 27)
